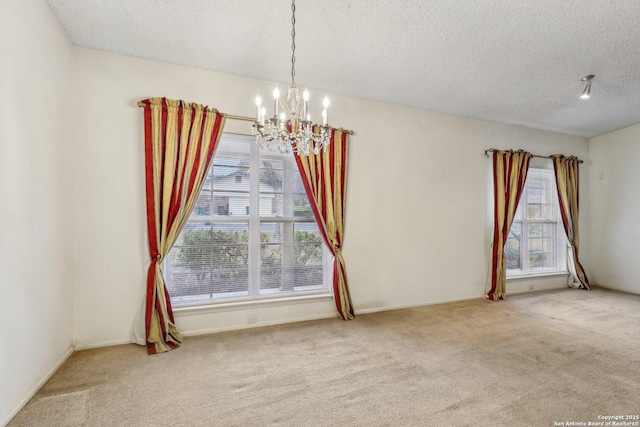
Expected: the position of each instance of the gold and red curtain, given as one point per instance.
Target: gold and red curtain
(567, 182)
(180, 141)
(509, 176)
(325, 177)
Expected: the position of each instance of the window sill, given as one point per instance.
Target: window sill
(537, 275)
(262, 302)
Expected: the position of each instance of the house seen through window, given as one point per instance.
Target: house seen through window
(537, 242)
(251, 234)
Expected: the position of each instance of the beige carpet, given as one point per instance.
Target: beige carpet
(532, 360)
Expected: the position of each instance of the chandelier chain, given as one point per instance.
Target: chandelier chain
(293, 43)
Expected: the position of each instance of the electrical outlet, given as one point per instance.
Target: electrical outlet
(252, 319)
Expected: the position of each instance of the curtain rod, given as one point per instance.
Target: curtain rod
(491, 150)
(243, 118)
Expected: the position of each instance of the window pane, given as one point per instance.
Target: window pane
(533, 180)
(271, 254)
(233, 146)
(272, 180)
(533, 195)
(307, 256)
(515, 232)
(204, 205)
(541, 261)
(536, 261)
(271, 176)
(512, 248)
(230, 257)
(547, 212)
(535, 245)
(272, 205)
(289, 261)
(535, 230)
(210, 260)
(533, 212)
(542, 251)
(549, 261)
(536, 253)
(546, 194)
(301, 203)
(230, 182)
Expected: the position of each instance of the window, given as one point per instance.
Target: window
(252, 233)
(537, 243)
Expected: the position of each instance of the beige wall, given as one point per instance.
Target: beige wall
(614, 204)
(36, 199)
(417, 222)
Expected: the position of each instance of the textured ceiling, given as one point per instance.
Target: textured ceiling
(510, 61)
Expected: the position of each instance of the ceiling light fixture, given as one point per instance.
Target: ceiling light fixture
(586, 93)
(290, 128)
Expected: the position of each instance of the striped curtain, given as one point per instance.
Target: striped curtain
(324, 176)
(509, 175)
(567, 182)
(180, 141)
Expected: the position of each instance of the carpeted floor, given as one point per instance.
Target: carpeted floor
(533, 360)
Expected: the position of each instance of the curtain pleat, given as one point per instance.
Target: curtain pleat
(567, 182)
(180, 141)
(509, 176)
(324, 176)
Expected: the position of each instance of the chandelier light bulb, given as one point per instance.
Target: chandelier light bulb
(305, 104)
(259, 109)
(325, 102)
(276, 98)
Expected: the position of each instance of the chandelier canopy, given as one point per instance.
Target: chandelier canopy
(290, 128)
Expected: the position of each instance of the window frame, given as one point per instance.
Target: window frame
(254, 220)
(561, 243)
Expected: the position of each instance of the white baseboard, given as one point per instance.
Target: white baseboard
(192, 333)
(79, 347)
(37, 387)
(423, 304)
(618, 288)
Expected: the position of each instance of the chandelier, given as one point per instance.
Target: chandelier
(290, 128)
